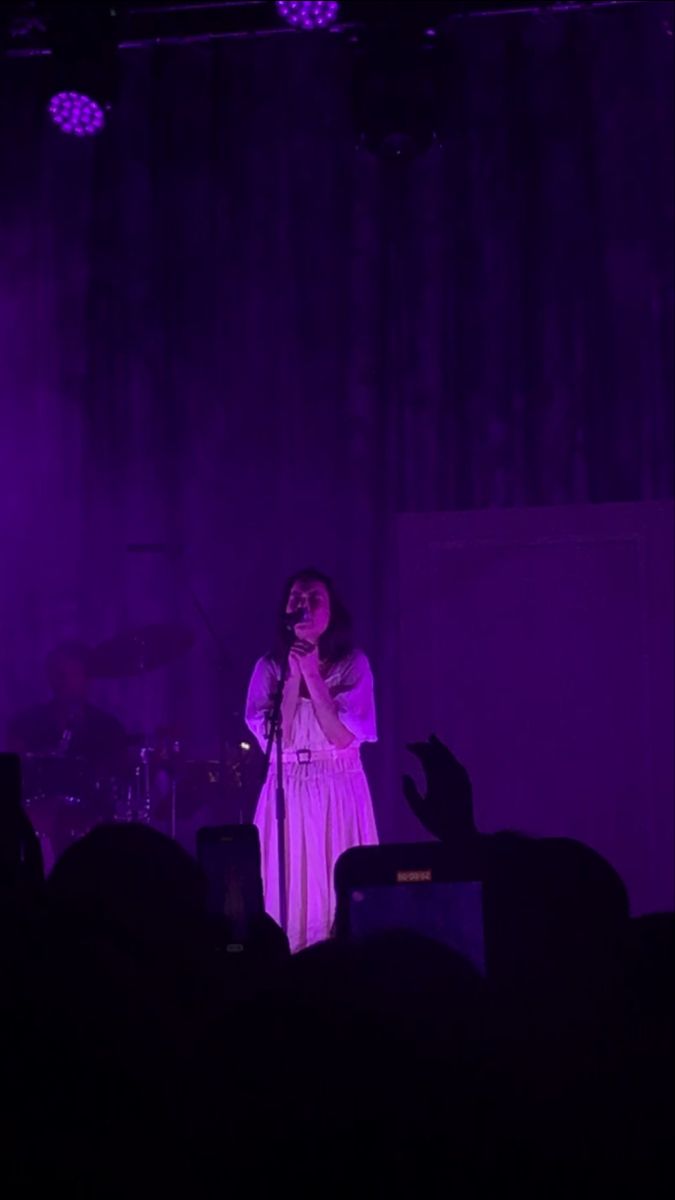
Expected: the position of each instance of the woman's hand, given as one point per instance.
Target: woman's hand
(308, 660)
(300, 651)
(294, 671)
(323, 703)
(292, 685)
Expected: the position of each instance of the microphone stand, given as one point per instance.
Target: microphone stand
(275, 737)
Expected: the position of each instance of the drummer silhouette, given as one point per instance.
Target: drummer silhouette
(69, 725)
(72, 754)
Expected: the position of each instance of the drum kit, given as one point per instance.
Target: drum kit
(153, 782)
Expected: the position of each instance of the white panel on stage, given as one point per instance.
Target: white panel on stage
(538, 643)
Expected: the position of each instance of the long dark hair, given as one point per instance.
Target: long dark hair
(336, 643)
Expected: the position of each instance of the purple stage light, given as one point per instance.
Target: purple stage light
(308, 14)
(76, 113)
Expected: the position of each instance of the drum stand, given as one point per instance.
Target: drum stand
(139, 792)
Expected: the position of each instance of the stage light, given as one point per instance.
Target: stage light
(83, 65)
(75, 113)
(308, 14)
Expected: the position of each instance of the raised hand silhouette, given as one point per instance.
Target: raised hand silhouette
(446, 808)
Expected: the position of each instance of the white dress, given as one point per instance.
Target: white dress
(328, 804)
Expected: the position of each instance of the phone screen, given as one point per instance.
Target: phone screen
(230, 859)
(449, 912)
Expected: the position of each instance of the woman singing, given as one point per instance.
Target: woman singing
(328, 710)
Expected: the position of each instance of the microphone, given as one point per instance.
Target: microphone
(296, 618)
(153, 548)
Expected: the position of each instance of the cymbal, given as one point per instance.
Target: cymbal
(138, 651)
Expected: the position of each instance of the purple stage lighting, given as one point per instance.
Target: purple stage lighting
(76, 113)
(308, 14)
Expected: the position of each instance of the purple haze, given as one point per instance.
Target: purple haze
(326, 346)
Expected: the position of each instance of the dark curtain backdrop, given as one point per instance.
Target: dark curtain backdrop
(222, 326)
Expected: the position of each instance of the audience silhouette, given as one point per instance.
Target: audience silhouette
(139, 1051)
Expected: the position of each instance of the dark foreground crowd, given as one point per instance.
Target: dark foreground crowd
(138, 1054)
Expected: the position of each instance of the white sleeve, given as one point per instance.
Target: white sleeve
(260, 698)
(355, 700)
